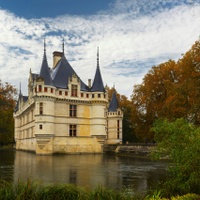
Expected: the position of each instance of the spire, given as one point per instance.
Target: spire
(97, 56)
(44, 56)
(44, 45)
(98, 82)
(63, 46)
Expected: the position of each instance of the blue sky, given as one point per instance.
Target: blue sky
(133, 36)
(53, 8)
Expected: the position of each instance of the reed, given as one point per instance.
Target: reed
(29, 190)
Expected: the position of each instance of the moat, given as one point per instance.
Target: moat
(91, 170)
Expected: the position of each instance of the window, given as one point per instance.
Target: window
(74, 91)
(40, 126)
(99, 95)
(66, 93)
(41, 109)
(72, 130)
(51, 90)
(40, 88)
(117, 129)
(72, 110)
(45, 89)
(92, 95)
(87, 95)
(81, 94)
(60, 92)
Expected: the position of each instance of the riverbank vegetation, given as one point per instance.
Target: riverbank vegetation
(7, 103)
(35, 191)
(179, 141)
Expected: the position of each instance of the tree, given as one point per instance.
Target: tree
(149, 98)
(170, 90)
(180, 142)
(7, 103)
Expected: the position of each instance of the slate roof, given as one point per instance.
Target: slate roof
(34, 76)
(62, 72)
(113, 103)
(45, 71)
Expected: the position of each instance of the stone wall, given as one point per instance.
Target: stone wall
(47, 145)
(132, 149)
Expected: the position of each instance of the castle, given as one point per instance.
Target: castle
(61, 114)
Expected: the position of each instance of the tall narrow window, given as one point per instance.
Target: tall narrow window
(74, 91)
(72, 110)
(117, 129)
(41, 109)
(72, 130)
(40, 88)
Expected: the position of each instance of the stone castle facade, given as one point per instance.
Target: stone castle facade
(61, 114)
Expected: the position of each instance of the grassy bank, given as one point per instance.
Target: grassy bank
(34, 191)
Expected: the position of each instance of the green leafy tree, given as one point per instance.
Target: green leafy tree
(179, 141)
(7, 103)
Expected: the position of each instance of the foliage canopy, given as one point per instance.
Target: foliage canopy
(179, 141)
(170, 90)
(7, 103)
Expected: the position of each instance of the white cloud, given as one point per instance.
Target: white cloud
(132, 36)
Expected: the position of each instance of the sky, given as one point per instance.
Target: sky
(132, 36)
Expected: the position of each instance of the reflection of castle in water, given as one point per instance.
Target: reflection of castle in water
(85, 170)
(90, 170)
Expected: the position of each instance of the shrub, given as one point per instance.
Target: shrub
(180, 142)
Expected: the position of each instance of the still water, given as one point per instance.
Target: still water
(92, 170)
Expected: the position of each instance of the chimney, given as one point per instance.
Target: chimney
(89, 83)
(56, 57)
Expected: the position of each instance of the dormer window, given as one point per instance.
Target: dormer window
(74, 90)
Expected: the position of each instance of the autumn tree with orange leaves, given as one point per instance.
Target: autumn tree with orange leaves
(7, 103)
(170, 90)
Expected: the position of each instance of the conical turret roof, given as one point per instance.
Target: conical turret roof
(45, 71)
(113, 103)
